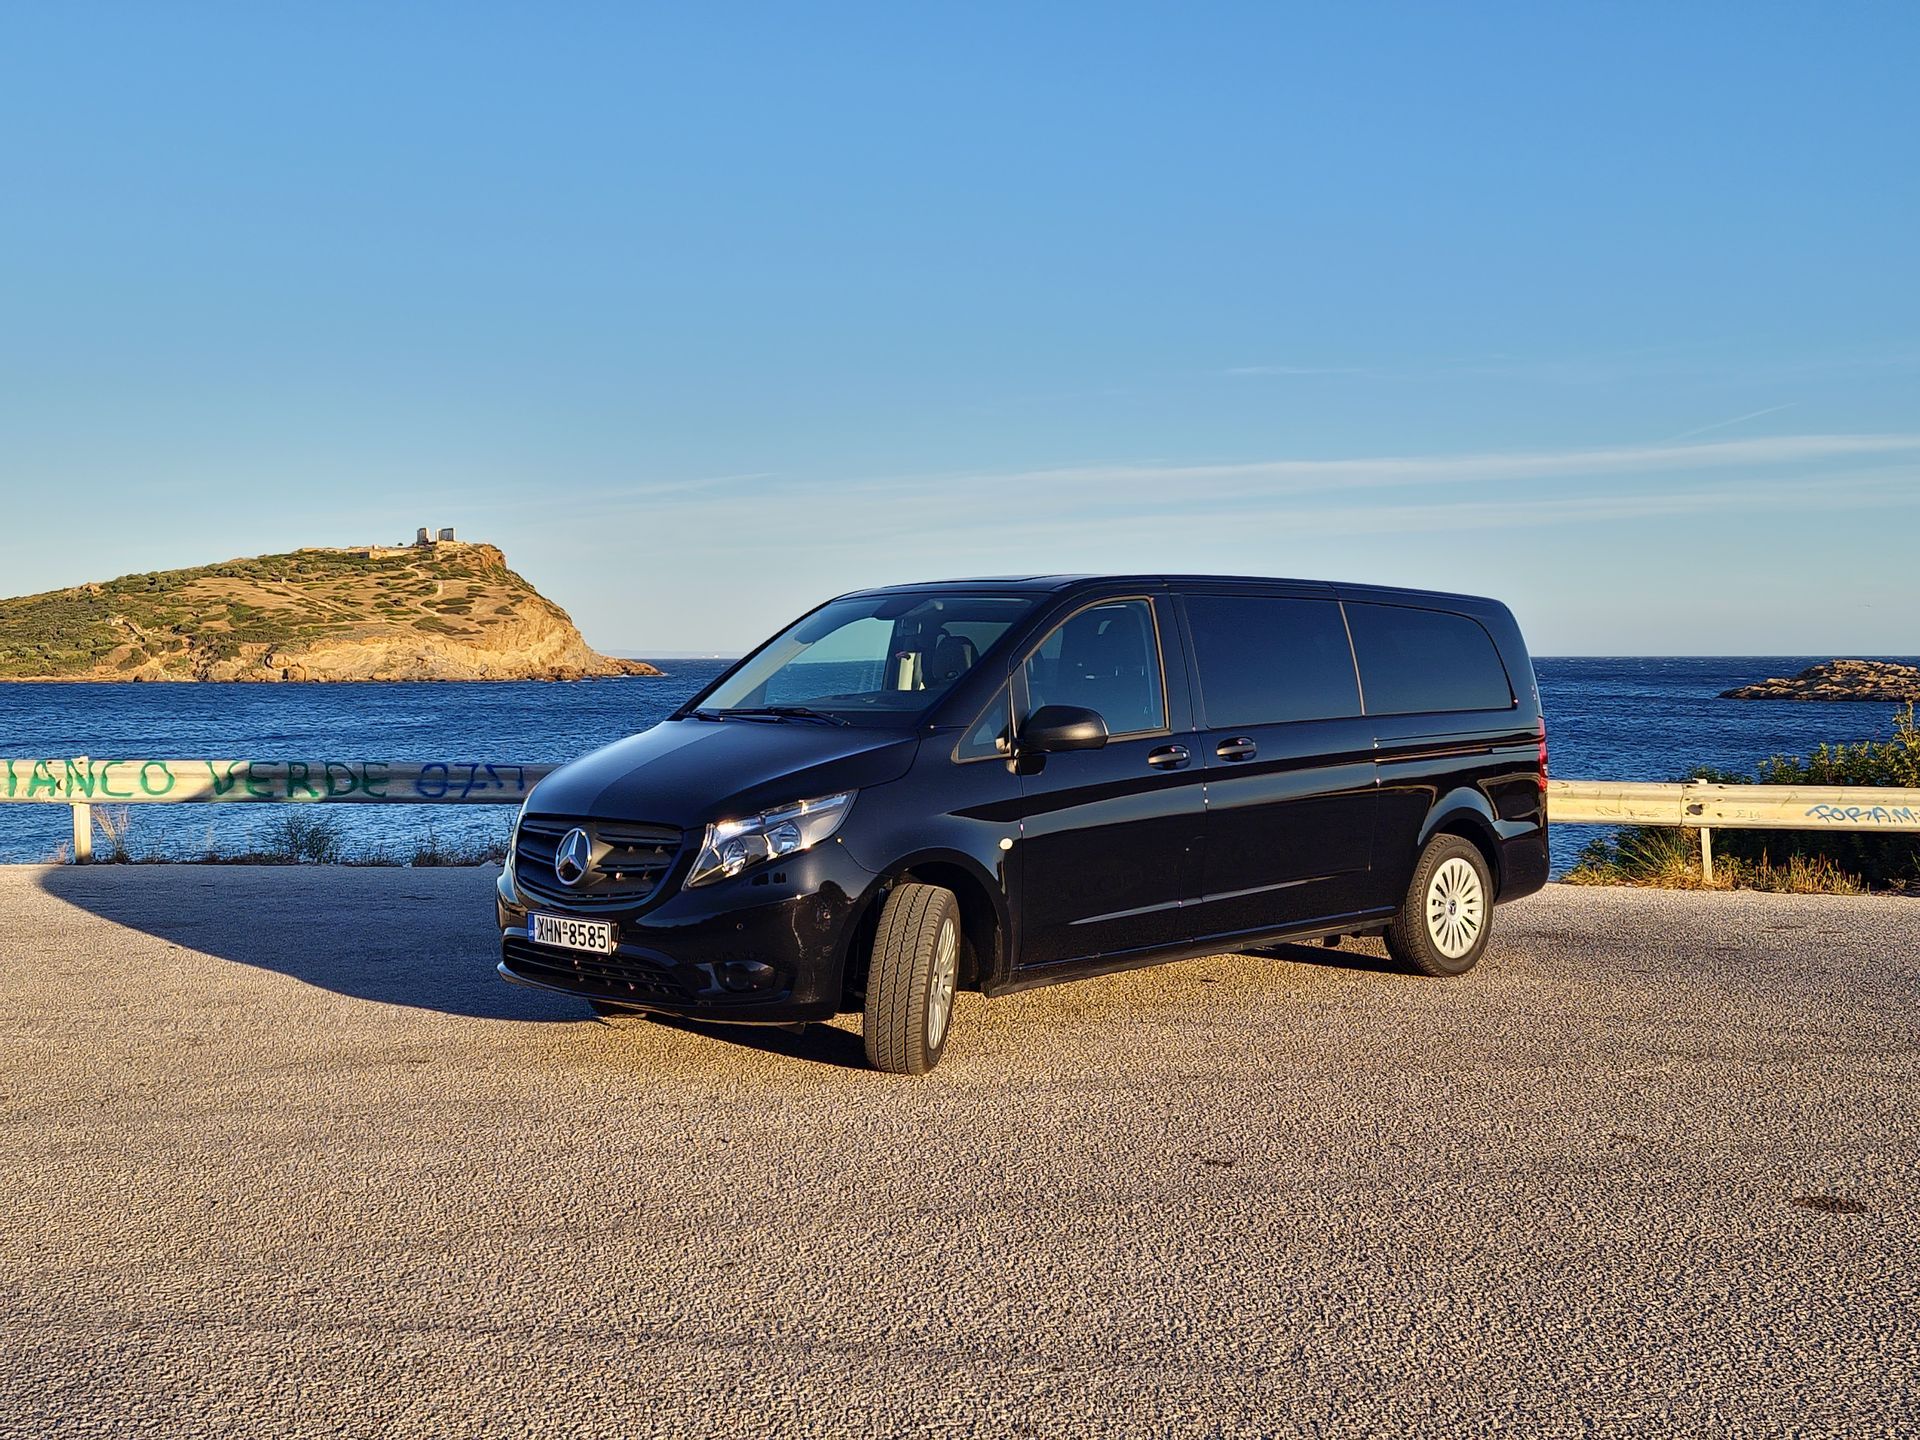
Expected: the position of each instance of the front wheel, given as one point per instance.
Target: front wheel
(1444, 922)
(911, 979)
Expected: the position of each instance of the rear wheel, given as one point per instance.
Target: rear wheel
(1444, 922)
(911, 979)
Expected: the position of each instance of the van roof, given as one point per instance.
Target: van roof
(1150, 581)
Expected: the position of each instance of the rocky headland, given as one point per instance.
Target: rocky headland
(1838, 680)
(446, 610)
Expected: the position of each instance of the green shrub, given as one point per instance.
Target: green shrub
(1800, 861)
(1870, 762)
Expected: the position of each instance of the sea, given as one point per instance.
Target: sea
(1609, 718)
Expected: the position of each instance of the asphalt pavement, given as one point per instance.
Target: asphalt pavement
(280, 1156)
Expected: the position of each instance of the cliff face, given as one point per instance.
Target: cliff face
(450, 611)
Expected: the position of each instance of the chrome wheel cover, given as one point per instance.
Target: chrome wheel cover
(1456, 907)
(946, 967)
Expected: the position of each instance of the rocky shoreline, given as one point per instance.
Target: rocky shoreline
(1881, 680)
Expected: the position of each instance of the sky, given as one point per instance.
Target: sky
(703, 313)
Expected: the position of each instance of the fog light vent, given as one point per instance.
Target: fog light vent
(741, 975)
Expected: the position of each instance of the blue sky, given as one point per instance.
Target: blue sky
(703, 313)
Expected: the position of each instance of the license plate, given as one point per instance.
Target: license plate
(570, 934)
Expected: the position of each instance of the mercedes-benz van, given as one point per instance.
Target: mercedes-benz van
(997, 784)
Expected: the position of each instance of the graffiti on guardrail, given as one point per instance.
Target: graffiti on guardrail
(294, 780)
(1865, 814)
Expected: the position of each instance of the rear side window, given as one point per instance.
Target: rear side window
(1265, 659)
(1420, 660)
(1105, 658)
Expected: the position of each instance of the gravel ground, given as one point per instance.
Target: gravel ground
(282, 1158)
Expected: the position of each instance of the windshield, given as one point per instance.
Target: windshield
(870, 655)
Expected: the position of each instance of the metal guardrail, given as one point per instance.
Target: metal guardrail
(82, 783)
(1696, 805)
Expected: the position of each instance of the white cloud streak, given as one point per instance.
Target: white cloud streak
(1736, 420)
(1097, 493)
(1084, 508)
(1245, 370)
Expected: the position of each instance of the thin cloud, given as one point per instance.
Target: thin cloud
(1295, 476)
(1736, 420)
(1099, 494)
(1062, 511)
(1293, 370)
(1091, 515)
(1057, 525)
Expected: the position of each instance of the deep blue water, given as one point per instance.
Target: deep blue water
(1612, 719)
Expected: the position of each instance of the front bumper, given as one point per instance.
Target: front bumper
(769, 946)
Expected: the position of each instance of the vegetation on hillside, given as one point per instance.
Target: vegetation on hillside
(1799, 861)
(204, 622)
(278, 601)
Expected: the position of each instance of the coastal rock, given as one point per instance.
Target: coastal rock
(1838, 680)
(443, 611)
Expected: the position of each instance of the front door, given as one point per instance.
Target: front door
(1110, 839)
(1291, 790)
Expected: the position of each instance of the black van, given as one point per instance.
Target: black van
(997, 784)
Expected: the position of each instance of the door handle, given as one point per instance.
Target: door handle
(1170, 757)
(1238, 748)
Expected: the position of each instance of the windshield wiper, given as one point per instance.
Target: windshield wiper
(783, 712)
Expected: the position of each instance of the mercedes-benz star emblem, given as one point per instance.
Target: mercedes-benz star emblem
(571, 859)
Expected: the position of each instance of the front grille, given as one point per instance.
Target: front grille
(629, 861)
(616, 977)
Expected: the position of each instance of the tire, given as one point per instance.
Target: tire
(911, 978)
(1444, 922)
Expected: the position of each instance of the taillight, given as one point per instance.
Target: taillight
(1543, 754)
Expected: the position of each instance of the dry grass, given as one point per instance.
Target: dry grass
(1800, 875)
(302, 837)
(1669, 859)
(434, 852)
(113, 824)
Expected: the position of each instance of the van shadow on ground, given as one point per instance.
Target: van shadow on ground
(818, 1044)
(420, 939)
(397, 938)
(1312, 952)
(423, 939)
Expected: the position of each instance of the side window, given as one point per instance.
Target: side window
(1421, 660)
(1106, 658)
(991, 734)
(1265, 659)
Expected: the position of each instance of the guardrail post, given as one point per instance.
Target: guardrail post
(82, 817)
(1706, 854)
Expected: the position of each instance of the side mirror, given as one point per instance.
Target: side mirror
(1062, 727)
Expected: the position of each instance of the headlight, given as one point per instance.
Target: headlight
(733, 845)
